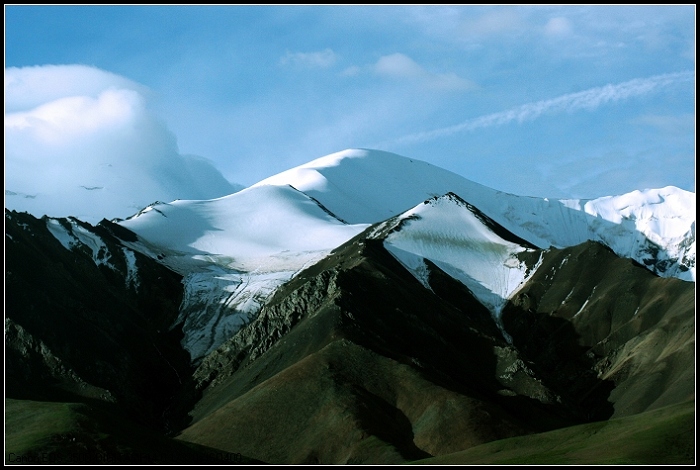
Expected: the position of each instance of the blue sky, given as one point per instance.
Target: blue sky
(572, 101)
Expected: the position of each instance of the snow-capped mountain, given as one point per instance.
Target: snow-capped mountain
(655, 227)
(362, 308)
(237, 250)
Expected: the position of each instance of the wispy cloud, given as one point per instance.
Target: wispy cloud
(318, 59)
(670, 124)
(499, 21)
(583, 100)
(399, 66)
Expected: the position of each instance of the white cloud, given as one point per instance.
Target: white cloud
(351, 71)
(558, 26)
(589, 99)
(76, 127)
(493, 23)
(318, 59)
(74, 117)
(29, 87)
(400, 66)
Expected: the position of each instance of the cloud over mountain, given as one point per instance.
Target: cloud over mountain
(81, 141)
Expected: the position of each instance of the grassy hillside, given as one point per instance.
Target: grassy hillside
(665, 436)
(75, 433)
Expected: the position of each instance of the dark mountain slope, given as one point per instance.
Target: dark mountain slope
(91, 362)
(79, 329)
(355, 361)
(586, 304)
(56, 433)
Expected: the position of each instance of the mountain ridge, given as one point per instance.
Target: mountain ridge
(369, 186)
(280, 325)
(296, 217)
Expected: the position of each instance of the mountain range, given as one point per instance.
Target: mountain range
(362, 308)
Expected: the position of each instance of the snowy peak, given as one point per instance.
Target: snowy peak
(370, 186)
(259, 228)
(464, 243)
(494, 226)
(666, 213)
(654, 227)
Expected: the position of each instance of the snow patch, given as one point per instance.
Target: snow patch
(66, 239)
(585, 303)
(568, 296)
(76, 235)
(582, 307)
(132, 273)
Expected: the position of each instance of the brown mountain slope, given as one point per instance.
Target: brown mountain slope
(639, 328)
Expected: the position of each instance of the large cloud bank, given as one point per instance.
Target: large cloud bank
(81, 141)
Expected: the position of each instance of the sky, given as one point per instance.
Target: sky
(563, 102)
